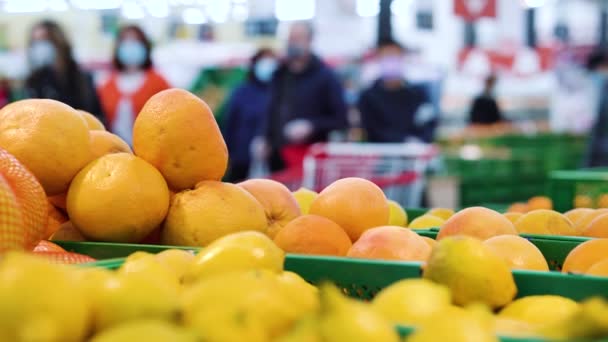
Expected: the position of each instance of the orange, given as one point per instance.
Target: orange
(93, 123)
(103, 143)
(540, 202)
(55, 219)
(576, 214)
(119, 198)
(59, 200)
(444, 213)
(602, 201)
(518, 208)
(586, 219)
(279, 203)
(311, 234)
(429, 241)
(355, 204)
(598, 228)
(599, 269)
(50, 138)
(177, 133)
(518, 252)
(23, 205)
(545, 222)
(513, 216)
(583, 201)
(478, 222)
(212, 210)
(390, 243)
(67, 232)
(585, 255)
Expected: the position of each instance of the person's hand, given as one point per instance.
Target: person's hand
(297, 131)
(259, 148)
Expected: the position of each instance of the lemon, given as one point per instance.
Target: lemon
(146, 330)
(304, 197)
(397, 215)
(426, 221)
(455, 325)
(540, 310)
(253, 298)
(302, 295)
(443, 213)
(411, 301)
(149, 266)
(240, 251)
(176, 260)
(130, 296)
(306, 330)
(472, 272)
(344, 319)
(40, 301)
(514, 328)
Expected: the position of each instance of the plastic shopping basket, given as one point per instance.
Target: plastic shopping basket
(398, 169)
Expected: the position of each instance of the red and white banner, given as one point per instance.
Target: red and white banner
(472, 10)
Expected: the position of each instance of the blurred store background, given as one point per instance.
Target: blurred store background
(537, 52)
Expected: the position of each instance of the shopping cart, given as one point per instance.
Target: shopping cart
(399, 169)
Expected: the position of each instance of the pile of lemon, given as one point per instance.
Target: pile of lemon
(236, 289)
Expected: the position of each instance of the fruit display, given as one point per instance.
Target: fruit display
(465, 267)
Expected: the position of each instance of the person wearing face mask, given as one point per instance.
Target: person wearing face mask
(392, 110)
(306, 104)
(245, 112)
(54, 74)
(132, 83)
(485, 109)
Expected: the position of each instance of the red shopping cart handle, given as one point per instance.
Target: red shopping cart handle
(392, 180)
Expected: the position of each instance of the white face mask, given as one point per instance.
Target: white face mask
(41, 53)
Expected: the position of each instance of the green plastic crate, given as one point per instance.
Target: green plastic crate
(565, 185)
(555, 249)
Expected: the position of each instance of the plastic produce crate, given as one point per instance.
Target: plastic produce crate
(555, 249)
(564, 186)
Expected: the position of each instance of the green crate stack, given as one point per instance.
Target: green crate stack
(565, 185)
(517, 175)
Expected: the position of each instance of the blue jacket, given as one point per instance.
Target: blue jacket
(244, 117)
(314, 94)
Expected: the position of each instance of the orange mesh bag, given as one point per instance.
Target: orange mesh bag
(23, 206)
(65, 257)
(47, 246)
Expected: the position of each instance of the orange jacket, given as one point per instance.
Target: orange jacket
(110, 95)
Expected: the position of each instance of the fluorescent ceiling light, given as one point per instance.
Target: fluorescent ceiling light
(368, 8)
(534, 3)
(286, 10)
(97, 4)
(194, 16)
(240, 12)
(132, 10)
(20, 6)
(157, 8)
(218, 11)
(401, 7)
(58, 5)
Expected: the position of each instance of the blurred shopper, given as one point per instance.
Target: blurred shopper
(485, 110)
(246, 110)
(307, 103)
(54, 72)
(132, 82)
(393, 110)
(598, 143)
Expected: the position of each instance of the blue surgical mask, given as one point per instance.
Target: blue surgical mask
(264, 69)
(391, 68)
(41, 53)
(132, 53)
